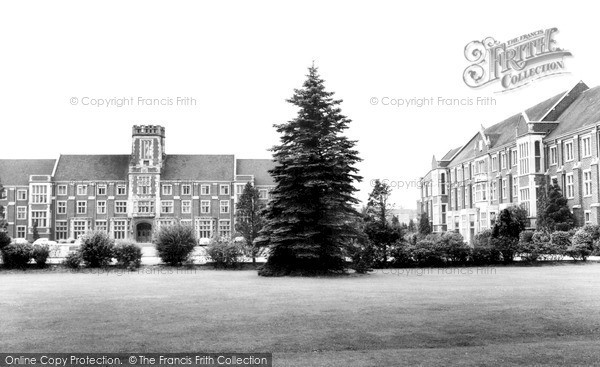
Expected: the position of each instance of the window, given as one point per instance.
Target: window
(3, 195)
(101, 190)
(204, 228)
(81, 207)
(40, 217)
(493, 191)
(101, 225)
(443, 213)
(186, 190)
(494, 163)
(503, 160)
(492, 219)
(146, 149)
(21, 212)
(503, 188)
(166, 206)
(144, 185)
(525, 199)
(537, 156)
(101, 207)
(570, 186)
(21, 231)
(442, 185)
(186, 206)
(61, 207)
(145, 206)
(553, 156)
(81, 189)
(587, 183)
(22, 195)
(39, 194)
(224, 205)
(205, 206)
(61, 230)
(224, 189)
(513, 159)
(569, 151)
(586, 146)
(480, 191)
(205, 190)
(524, 158)
(79, 228)
(515, 187)
(119, 229)
(587, 216)
(167, 189)
(264, 193)
(120, 207)
(186, 222)
(225, 228)
(483, 220)
(61, 190)
(239, 190)
(121, 190)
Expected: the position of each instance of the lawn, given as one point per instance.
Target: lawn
(498, 316)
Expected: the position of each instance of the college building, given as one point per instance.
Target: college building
(510, 162)
(128, 195)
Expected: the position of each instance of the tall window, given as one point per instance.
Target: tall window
(145, 206)
(587, 183)
(525, 199)
(515, 187)
(553, 156)
(61, 207)
(493, 191)
(119, 229)
(513, 160)
(121, 207)
(225, 228)
(21, 231)
(494, 163)
(81, 207)
(443, 213)
(570, 186)
(79, 228)
(569, 151)
(537, 155)
(146, 149)
(144, 185)
(186, 206)
(503, 160)
(503, 188)
(524, 158)
(39, 194)
(205, 206)
(224, 205)
(101, 207)
(586, 146)
(443, 183)
(21, 212)
(166, 207)
(101, 225)
(61, 230)
(204, 228)
(40, 217)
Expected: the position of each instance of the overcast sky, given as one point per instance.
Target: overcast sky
(241, 60)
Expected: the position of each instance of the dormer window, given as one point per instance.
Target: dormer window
(480, 145)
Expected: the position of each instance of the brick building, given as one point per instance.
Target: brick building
(509, 162)
(128, 195)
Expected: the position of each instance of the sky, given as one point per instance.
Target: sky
(241, 60)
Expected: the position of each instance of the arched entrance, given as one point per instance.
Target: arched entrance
(144, 232)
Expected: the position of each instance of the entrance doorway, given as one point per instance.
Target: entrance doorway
(144, 232)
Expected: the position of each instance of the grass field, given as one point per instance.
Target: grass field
(496, 316)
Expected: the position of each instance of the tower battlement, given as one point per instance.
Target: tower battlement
(148, 130)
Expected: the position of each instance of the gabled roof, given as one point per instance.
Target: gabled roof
(92, 168)
(584, 111)
(257, 167)
(198, 167)
(16, 172)
(448, 156)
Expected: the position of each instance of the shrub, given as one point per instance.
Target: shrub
(361, 254)
(5, 240)
(174, 244)
(483, 252)
(225, 253)
(97, 249)
(427, 253)
(532, 245)
(559, 243)
(40, 254)
(582, 245)
(453, 247)
(128, 255)
(73, 260)
(17, 255)
(593, 230)
(402, 254)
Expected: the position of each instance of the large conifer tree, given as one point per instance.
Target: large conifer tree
(309, 218)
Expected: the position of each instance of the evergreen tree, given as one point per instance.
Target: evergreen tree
(310, 216)
(249, 219)
(554, 213)
(395, 222)
(411, 226)
(424, 224)
(381, 234)
(507, 229)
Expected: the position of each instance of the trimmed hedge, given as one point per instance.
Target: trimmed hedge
(225, 254)
(175, 243)
(40, 254)
(17, 255)
(128, 254)
(97, 249)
